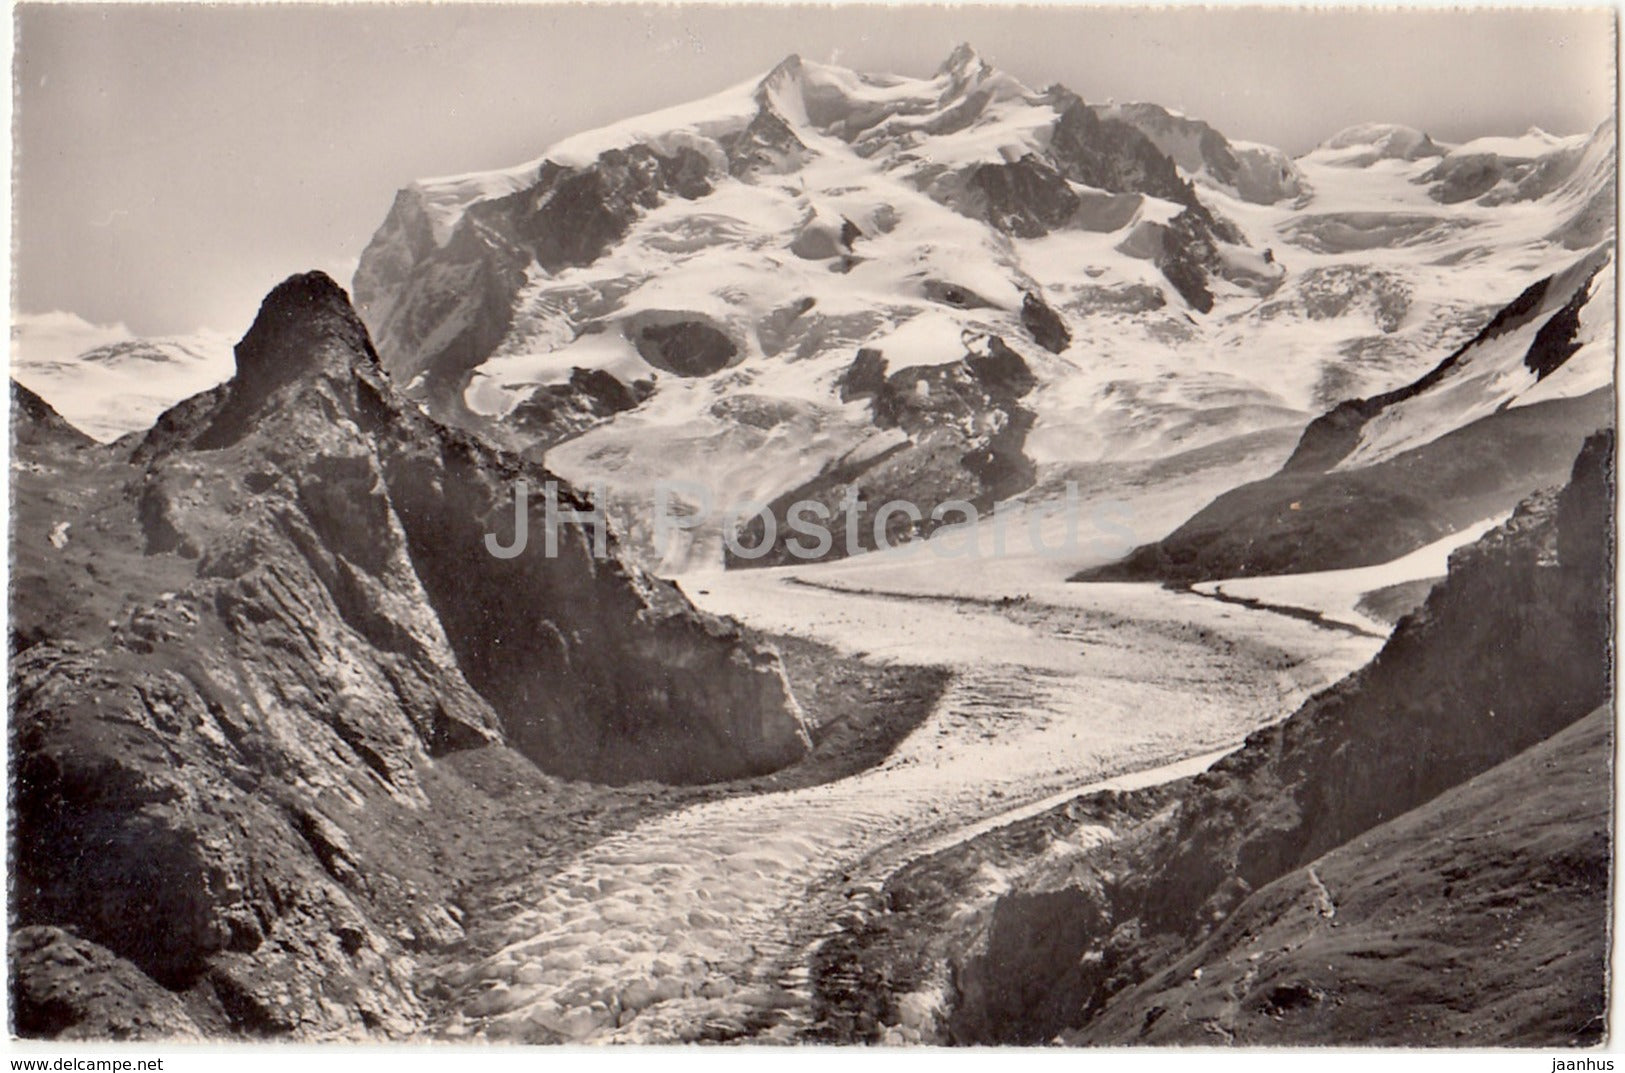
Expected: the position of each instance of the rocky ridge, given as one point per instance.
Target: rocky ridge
(1259, 174)
(244, 647)
(1464, 684)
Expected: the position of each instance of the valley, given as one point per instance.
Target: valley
(1220, 649)
(696, 925)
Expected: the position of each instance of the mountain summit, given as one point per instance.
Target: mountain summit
(248, 643)
(692, 294)
(415, 681)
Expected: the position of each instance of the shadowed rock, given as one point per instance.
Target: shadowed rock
(1464, 684)
(291, 618)
(965, 431)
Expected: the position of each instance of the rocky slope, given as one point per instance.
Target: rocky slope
(1108, 944)
(1376, 478)
(1477, 919)
(245, 647)
(1260, 174)
(958, 433)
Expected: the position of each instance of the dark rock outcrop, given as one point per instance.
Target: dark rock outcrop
(439, 309)
(767, 146)
(276, 615)
(1464, 684)
(1112, 155)
(1184, 256)
(965, 429)
(557, 412)
(1033, 196)
(865, 378)
(685, 344)
(1044, 324)
(1026, 198)
(572, 215)
(1255, 173)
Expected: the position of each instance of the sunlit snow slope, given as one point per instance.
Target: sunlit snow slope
(684, 297)
(106, 381)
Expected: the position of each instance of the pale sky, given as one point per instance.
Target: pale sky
(172, 163)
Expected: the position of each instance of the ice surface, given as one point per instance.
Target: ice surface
(1336, 594)
(702, 914)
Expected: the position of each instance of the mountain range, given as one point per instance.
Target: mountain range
(1320, 754)
(779, 292)
(106, 380)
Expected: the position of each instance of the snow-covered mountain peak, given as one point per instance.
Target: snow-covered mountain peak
(963, 62)
(774, 284)
(105, 380)
(1531, 144)
(1363, 144)
(878, 113)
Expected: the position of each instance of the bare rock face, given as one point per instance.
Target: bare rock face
(1044, 324)
(265, 623)
(1253, 172)
(437, 310)
(1466, 683)
(1026, 198)
(1034, 195)
(440, 310)
(68, 988)
(767, 146)
(964, 429)
(684, 344)
(560, 411)
(1110, 154)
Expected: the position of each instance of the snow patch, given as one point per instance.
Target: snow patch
(1336, 594)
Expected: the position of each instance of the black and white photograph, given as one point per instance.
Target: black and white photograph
(842, 526)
